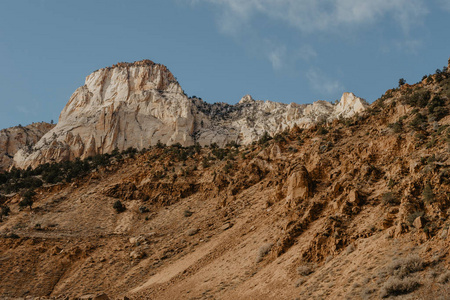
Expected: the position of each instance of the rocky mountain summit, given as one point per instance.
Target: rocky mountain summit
(19, 137)
(140, 104)
(353, 209)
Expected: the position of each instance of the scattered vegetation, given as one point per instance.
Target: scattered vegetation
(419, 122)
(396, 286)
(51, 173)
(405, 266)
(419, 98)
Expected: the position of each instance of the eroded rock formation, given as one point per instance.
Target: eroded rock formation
(19, 137)
(138, 104)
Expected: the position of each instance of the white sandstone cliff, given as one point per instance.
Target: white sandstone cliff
(15, 138)
(138, 104)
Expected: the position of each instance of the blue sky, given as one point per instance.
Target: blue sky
(281, 50)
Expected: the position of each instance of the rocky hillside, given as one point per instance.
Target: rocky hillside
(353, 209)
(138, 104)
(19, 137)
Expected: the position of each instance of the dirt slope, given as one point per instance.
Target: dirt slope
(356, 209)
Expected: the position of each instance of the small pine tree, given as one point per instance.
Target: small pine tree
(265, 138)
(28, 199)
(401, 82)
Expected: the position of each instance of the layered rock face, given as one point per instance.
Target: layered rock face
(15, 138)
(138, 104)
(247, 121)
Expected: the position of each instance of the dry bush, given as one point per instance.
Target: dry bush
(396, 286)
(432, 291)
(263, 251)
(305, 270)
(405, 266)
(444, 278)
(300, 282)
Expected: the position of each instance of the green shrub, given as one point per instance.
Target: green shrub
(397, 127)
(265, 138)
(437, 109)
(4, 211)
(119, 207)
(27, 199)
(419, 122)
(322, 130)
(227, 167)
(419, 98)
(143, 209)
(279, 138)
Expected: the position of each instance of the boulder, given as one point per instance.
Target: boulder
(354, 198)
(299, 186)
(418, 222)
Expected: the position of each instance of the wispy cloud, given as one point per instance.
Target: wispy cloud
(240, 19)
(322, 83)
(445, 4)
(277, 57)
(306, 52)
(320, 15)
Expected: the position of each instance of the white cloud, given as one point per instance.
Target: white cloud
(320, 15)
(241, 19)
(322, 83)
(306, 52)
(445, 4)
(409, 45)
(276, 57)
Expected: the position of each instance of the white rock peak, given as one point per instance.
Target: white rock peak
(138, 104)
